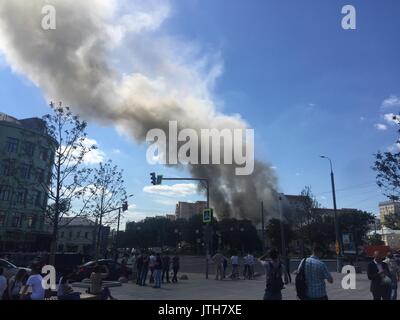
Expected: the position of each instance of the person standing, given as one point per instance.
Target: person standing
(145, 269)
(3, 283)
(379, 274)
(134, 267)
(225, 266)
(235, 266)
(139, 267)
(166, 261)
(152, 263)
(316, 272)
(158, 266)
(218, 260)
(246, 267)
(273, 275)
(394, 270)
(251, 261)
(175, 268)
(35, 282)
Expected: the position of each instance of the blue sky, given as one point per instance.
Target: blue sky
(304, 84)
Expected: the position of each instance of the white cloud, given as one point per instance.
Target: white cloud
(95, 156)
(362, 118)
(167, 202)
(391, 118)
(380, 126)
(274, 168)
(391, 102)
(395, 147)
(176, 190)
(116, 151)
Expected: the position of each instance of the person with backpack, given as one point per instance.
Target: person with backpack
(273, 274)
(311, 276)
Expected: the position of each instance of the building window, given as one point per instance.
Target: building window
(78, 234)
(31, 222)
(44, 154)
(29, 148)
(40, 175)
(2, 219)
(7, 169)
(25, 171)
(70, 235)
(5, 193)
(62, 235)
(16, 221)
(38, 196)
(12, 145)
(20, 196)
(86, 235)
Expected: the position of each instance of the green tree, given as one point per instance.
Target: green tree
(273, 231)
(68, 182)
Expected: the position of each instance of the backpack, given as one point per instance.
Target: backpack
(274, 280)
(301, 284)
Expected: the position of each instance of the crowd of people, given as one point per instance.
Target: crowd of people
(154, 267)
(312, 275)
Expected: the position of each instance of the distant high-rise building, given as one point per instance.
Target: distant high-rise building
(186, 210)
(388, 207)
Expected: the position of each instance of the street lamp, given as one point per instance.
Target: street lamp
(338, 243)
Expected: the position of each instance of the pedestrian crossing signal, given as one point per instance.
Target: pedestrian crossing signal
(207, 215)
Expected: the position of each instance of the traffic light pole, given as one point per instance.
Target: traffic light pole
(208, 229)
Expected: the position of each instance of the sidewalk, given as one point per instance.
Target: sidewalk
(198, 288)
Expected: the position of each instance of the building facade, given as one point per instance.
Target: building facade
(186, 210)
(26, 158)
(79, 235)
(388, 207)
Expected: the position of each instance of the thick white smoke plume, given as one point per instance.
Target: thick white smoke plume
(113, 63)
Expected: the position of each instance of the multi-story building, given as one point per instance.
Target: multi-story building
(186, 210)
(388, 207)
(26, 157)
(79, 235)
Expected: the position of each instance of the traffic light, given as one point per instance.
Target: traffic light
(125, 206)
(208, 215)
(153, 178)
(159, 179)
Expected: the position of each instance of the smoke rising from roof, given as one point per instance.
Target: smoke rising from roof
(113, 63)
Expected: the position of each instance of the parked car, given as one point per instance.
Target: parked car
(10, 269)
(116, 269)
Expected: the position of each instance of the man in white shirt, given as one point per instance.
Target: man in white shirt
(3, 283)
(35, 282)
(235, 266)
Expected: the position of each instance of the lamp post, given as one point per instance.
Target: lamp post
(282, 227)
(338, 243)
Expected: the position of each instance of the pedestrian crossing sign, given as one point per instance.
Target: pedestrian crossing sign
(207, 215)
